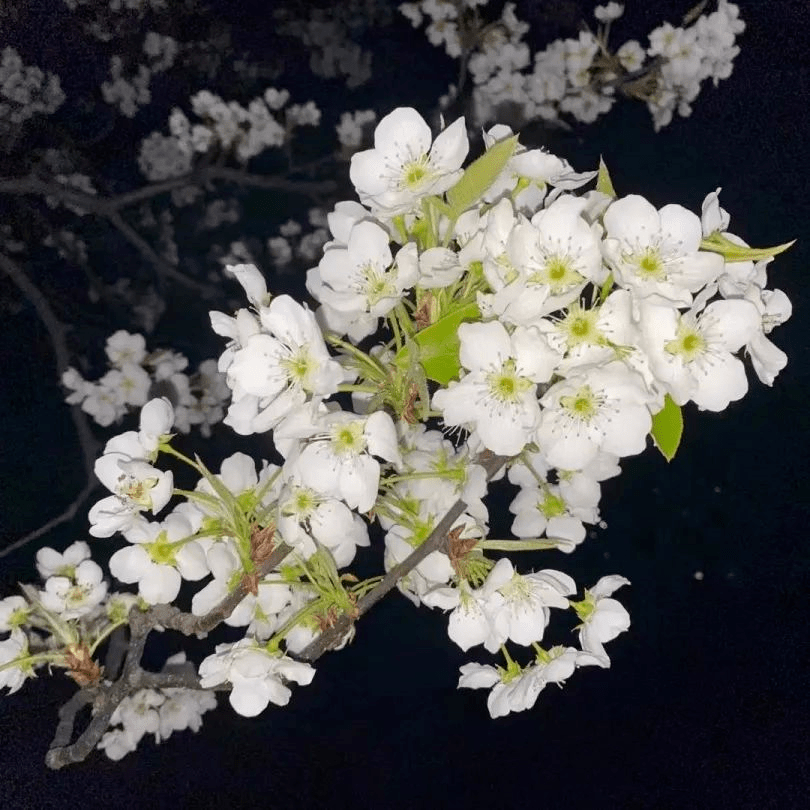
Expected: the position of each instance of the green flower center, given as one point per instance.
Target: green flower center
(137, 491)
(650, 265)
(506, 385)
(552, 505)
(414, 173)
(688, 344)
(299, 366)
(559, 273)
(162, 551)
(579, 326)
(348, 439)
(584, 404)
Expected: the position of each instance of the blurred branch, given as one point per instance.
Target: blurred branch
(110, 207)
(104, 206)
(89, 444)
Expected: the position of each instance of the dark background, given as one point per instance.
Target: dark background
(706, 702)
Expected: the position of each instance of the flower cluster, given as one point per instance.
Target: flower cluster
(293, 242)
(130, 94)
(579, 77)
(62, 622)
(160, 712)
(546, 329)
(227, 127)
(26, 91)
(135, 375)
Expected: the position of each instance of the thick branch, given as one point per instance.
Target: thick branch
(105, 698)
(436, 541)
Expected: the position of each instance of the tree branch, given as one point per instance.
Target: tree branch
(106, 697)
(89, 444)
(436, 541)
(104, 206)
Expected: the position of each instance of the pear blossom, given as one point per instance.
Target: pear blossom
(498, 395)
(362, 276)
(544, 510)
(77, 595)
(537, 167)
(556, 254)
(516, 689)
(14, 647)
(284, 367)
(605, 408)
(403, 167)
(692, 355)
(182, 709)
(253, 283)
(157, 418)
(125, 348)
(257, 677)
(50, 562)
(138, 715)
(261, 614)
(657, 253)
(14, 612)
(307, 518)
(338, 459)
(774, 309)
(137, 486)
(441, 267)
(608, 12)
(524, 614)
(713, 217)
(161, 557)
(432, 573)
(238, 328)
(602, 618)
(222, 560)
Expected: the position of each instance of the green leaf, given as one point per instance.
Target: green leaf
(667, 428)
(603, 182)
(732, 252)
(480, 175)
(439, 345)
(606, 288)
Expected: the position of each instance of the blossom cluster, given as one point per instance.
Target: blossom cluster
(226, 126)
(130, 94)
(579, 76)
(294, 242)
(61, 622)
(331, 50)
(26, 91)
(160, 712)
(494, 312)
(135, 374)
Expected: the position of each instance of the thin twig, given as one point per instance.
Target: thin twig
(161, 265)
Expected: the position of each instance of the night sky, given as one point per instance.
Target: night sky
(706, 703)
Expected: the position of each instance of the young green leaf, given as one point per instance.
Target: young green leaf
(732, 252)
(480, 175)
(439, 345)
(667, 428)
(603, 182)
